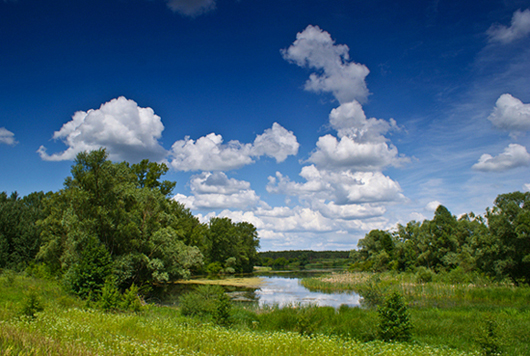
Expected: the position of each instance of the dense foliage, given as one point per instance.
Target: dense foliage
(115, 221)
(497, 244)
(300, 259)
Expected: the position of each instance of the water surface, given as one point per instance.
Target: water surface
(283, 291)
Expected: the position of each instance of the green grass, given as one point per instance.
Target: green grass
(448, 314)
(66, 326)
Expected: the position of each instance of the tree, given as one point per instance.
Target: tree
(377, 248)
(509, 224)
(149, 173)
(107, 220)
(394, 319)
(19, 232)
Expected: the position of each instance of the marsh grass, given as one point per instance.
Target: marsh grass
(68, 327)
(448, 313)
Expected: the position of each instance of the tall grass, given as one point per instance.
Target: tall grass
(67, 327)
(438, 292)
(152, 334)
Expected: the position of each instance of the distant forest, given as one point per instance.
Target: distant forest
(301, 259)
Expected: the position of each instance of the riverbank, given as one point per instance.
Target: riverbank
(69, 326)
(445, 311)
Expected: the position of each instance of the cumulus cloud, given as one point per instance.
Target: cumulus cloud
(336, 74)
(342, 187)
(7, 137)
(513, 156)
(361, 145)
(520, 27)
(348, 153)
(209, 153)
(127, 131)
(276, 142)
(510, 114)
(217, 191)
(191, 8)
(284, 227)
(432, 206)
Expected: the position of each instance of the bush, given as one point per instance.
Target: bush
(394, 319)
(31, 304)
(110, 298)
(488, 337)
(130, 299)
(209, 302)
(424, 275)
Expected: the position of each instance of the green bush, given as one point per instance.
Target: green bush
(31, 304)
(131, 300)
(208, 302)
(489, 338)
(424, 275)
(110, 298)
(394, 319)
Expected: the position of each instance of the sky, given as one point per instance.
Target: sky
(316, 121)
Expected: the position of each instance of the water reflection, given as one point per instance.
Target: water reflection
(283, 291)
(277, 290)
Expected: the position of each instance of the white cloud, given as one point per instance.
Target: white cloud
(276, 142)
(349, 154)
(315, 49)
(361, 144)
(7, 137)
(526, 187)
(217, 191)
(350, 120)
(520, 27)
(288, 228)
(432, 206)
(209, 153)
(343, 187)
(191, 8)
(127, 131)
(510, 114)
(513, 156)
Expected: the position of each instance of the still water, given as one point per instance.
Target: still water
(283, 291)
(280, 290)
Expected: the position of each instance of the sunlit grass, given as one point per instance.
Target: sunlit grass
(245, 282)
(153, 334)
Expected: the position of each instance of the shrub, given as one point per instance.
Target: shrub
(394, 319)
(31, 304)
(424, 275)
(130, 299)
(110, 298)
(488, 337)
(208, 302)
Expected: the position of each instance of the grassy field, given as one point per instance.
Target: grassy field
(457, 315)
(68, 326)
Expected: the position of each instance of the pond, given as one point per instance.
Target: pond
(283, 291)
(280, 290)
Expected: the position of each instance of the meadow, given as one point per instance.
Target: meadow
(458, 311)
(65, 325)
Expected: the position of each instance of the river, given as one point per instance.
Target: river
(281, 290)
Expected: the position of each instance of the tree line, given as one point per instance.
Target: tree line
(301, 258)
(116, 220)
(496, 244)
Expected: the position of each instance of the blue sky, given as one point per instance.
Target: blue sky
(316, 121)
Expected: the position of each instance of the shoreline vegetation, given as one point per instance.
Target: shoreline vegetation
(450, 319)
(244, 282)
(67, 325)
